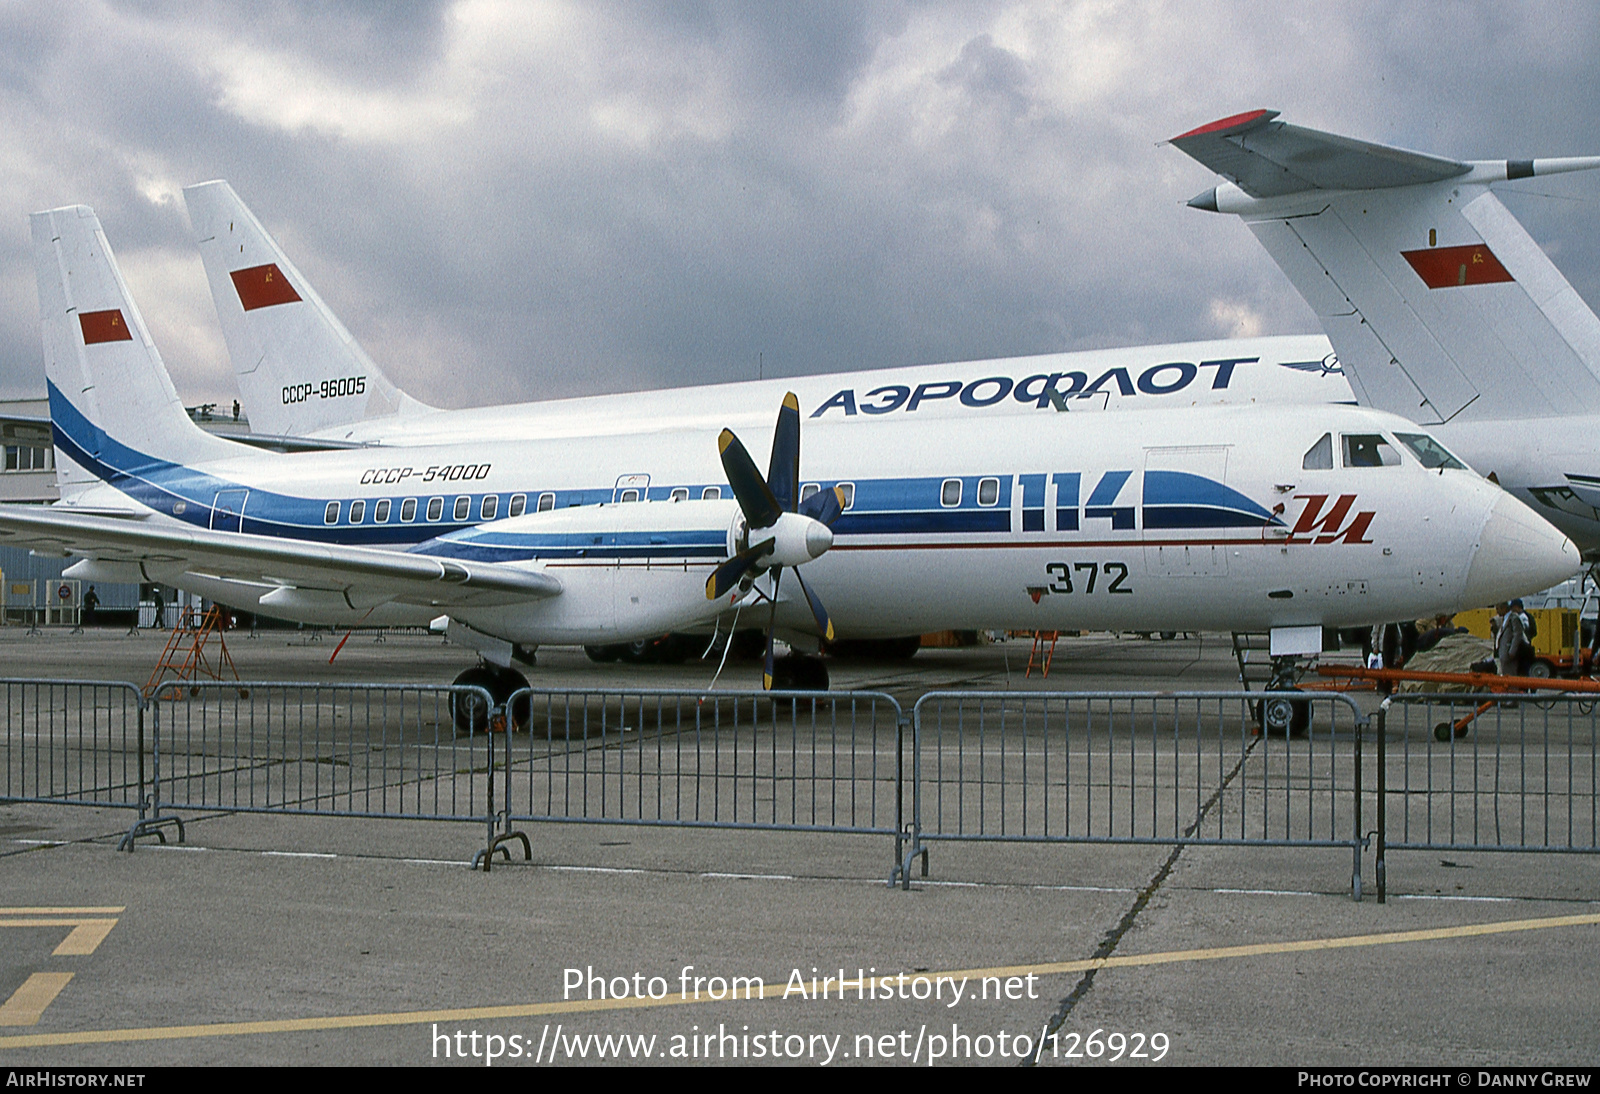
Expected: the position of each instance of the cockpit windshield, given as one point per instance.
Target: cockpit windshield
(1429, 451)
(1368, 450)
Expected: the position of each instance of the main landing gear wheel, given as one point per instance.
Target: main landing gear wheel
(467, 711)
(1281, 716)
(799, 673)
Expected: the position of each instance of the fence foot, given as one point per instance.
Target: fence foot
(483, 859)
(151, 827)
(902, 871)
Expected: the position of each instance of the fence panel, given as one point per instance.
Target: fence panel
(75, 742)
(369, 750)
(1135, 768)
(722, 759)
(1480, 772)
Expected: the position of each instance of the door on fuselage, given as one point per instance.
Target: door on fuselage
(227, 511)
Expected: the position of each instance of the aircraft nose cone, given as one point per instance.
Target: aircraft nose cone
(819, 537)
(1518, 552)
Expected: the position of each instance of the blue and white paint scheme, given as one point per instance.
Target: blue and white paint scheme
(1225, 517)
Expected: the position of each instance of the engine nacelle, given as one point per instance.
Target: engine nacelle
(662, 552)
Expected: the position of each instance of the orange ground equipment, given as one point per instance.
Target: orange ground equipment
(186, 657)
(1483, 682)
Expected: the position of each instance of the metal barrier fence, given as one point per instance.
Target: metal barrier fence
(1170, 768)
(1522, 774)
(1489, 773)
(776, 760)
(74, 742)
(360, 750)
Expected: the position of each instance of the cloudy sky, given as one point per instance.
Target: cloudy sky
(508, 201)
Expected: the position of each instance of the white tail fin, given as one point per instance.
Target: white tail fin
(112, 406)
(300, 371)
(1439, 304)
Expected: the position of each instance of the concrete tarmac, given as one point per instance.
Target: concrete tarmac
(290, 940)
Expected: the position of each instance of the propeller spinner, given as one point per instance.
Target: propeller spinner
(780, 530)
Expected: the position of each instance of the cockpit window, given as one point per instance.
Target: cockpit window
(1319, 457)
(1429, 451)
(1368, 450)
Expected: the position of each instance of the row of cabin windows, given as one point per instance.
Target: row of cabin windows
(460, 511)
(950, 492)
(489, 506)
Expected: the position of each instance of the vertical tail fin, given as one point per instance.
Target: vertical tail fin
(112, 405)
(1439, 304)
(300, 371)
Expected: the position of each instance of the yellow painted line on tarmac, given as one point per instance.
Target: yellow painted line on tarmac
(27, 1003)
(85, 936)
(774, 991)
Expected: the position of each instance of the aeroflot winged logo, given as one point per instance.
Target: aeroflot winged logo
(1315, 526)
(1041, 389)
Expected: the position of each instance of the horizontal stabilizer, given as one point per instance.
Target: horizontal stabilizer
(1266, 158)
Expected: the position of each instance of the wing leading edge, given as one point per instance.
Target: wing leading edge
(362, 574)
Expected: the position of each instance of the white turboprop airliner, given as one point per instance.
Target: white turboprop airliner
(1203, 518)
(1440, 305)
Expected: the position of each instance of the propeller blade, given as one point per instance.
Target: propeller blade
(783, 473)
(761, 509)
(823, 506)
(818, 612)
(729, 574)
(772, 618)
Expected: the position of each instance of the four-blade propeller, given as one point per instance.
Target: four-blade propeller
(780, 529)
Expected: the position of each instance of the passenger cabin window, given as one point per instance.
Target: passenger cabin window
(547, 502)
(380, 512)
(490, 506)
(847, 495)
(1319, 457)
(950, 493)
(358, 512)
(330, 515)
(808, 489)
(680, 493)
(988, 491)
(408, 510)
(1368, 450)
(435, 508)
(463, 508)
(629, 495)
(711, 493)
(1429, 451)
(519, 504)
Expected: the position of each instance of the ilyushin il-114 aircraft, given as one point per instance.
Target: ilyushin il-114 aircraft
(893, 523)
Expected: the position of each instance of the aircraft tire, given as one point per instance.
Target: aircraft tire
(1281, 716)
(467, 712)
(602, 655)
(506, 683)
(799, 673)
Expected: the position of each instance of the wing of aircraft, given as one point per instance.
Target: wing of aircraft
(362, 577)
